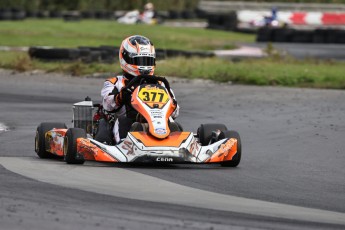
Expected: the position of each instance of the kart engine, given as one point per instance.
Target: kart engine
(83, 115)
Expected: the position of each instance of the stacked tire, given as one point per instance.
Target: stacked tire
(12, 14)
(268, 34)
(223, 21)
(103, 54)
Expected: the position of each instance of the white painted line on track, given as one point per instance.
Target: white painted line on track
(128, 184)
(245, 51)
(3, 128)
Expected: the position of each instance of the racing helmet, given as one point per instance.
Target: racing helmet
(137, 56)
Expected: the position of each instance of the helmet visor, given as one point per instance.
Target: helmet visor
(143, 61)
(138, 60)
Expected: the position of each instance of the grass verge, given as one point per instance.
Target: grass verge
(57, 33)
(274, 70)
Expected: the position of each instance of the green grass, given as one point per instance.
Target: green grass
(274, 70)
(98, 32)
(21, 61)
(269, 71)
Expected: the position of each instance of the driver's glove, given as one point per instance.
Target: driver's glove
(118, 98)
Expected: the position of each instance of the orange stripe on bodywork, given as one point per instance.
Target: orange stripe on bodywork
(91, 152)
(113, 80)
(175, 139)
(226, 151)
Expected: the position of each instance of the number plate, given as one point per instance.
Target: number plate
(153, 96)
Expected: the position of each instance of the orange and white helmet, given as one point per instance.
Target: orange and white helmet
(137, 56)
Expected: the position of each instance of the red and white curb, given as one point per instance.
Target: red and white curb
(295, 17)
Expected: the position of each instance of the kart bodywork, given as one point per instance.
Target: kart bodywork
(158, 143)
(178, 147)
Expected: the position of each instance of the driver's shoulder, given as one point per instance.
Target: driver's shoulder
(114, 79)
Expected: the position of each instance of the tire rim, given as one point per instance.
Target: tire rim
(37, 148)
(65, 146)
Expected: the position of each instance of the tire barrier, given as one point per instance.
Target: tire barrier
(251, 20)
(222, 21)
(296, 18)
(13, 14)
(267, 34)
(103, 54)
(71, 16)
(228, 6)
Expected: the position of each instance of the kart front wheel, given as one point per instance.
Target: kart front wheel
(70, 146)
(40, 142)
(237, 158)
(205, 132)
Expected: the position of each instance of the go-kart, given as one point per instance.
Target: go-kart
(154, 138)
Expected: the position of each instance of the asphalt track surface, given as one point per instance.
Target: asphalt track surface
(291, 176)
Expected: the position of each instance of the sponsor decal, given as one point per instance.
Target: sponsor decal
(127, 145)
(151, 87)
(225, 148)
(144, 48)
(194, 148)
(164, 159)
(160, 131)
(156, 113)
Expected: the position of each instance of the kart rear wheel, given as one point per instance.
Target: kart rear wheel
(70, 146)
(205, 132)
(237, 158)
(40, 141)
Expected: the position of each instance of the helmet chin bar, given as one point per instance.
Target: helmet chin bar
(144, 70)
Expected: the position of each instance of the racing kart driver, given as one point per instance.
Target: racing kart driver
(137, 57)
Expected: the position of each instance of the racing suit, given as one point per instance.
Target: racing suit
(110, 99)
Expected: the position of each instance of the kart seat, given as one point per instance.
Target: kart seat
(139, 127)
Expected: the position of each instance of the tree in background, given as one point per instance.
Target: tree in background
(96, 4)
(177, 5)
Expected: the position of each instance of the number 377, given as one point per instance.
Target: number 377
(152, 96)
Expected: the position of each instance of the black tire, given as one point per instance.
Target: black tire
(18, 14)
(205, 132)
(5, 14)
(230, 21)
(319, 36)
(54, 53)
(173, 14)
(87, 14)
(237, 158)
(55, 14)
(282, 35)
(40, 142)
(341, 36)
(264, 34)
(331, 36)
(188, 14)
(70, 146)
(302, 36)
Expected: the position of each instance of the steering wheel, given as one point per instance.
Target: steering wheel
(148, 79)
